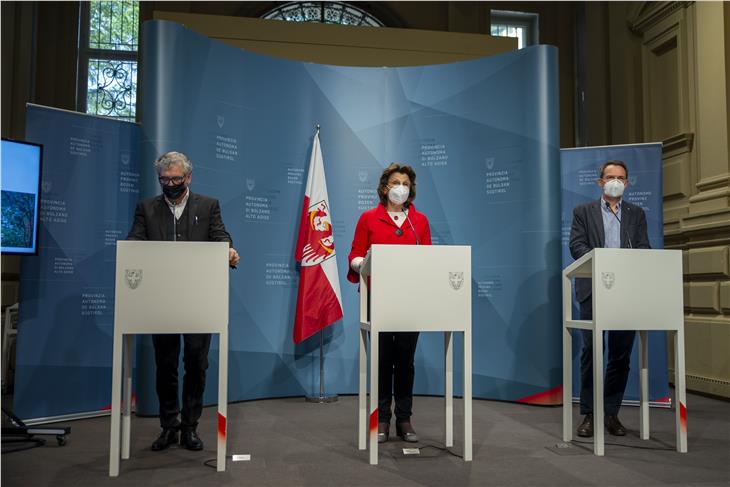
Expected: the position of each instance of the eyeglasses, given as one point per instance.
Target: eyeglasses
(175, 180)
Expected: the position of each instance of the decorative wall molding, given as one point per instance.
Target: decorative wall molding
(718, 387)
(679, 106)
(719, 181)
(702, 222)
(677, 144)
(646, 15)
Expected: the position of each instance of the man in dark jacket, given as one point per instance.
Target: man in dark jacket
(179, 214)
(608, 222)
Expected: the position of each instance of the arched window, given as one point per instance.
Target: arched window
(324, 12)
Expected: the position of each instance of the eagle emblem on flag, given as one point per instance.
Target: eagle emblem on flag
(320, 243)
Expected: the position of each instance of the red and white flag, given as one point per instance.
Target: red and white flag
(319, 303)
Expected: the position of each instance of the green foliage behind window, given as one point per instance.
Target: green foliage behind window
(109, 59)
(114, 25)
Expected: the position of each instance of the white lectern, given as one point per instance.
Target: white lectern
(633, 289)
(166, 287)
(415, 288)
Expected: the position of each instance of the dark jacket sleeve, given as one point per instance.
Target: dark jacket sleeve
(641, 234)
(139, 225)
(217, 230)
(579, 245)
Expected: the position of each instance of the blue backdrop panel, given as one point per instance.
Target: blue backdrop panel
(90, 183)
(482, 136)
(579, 171)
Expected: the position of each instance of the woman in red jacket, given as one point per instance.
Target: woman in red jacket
(394, 221)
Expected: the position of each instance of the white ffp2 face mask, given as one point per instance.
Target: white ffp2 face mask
(614, 188)
(398, 194)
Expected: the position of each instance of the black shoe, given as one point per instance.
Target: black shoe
(614, 426)
(190, 440)
(167, 437)
(383, 432)
(406, 432)
(585, 429)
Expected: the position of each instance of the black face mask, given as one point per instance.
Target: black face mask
(173, 192)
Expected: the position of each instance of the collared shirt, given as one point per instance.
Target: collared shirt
(178, 209)
(611, 225)
(398, 217)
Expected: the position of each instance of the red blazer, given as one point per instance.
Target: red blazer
(376, 227)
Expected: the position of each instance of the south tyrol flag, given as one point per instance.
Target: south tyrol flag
(319, 303)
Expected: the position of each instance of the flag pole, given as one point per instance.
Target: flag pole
(322, 398)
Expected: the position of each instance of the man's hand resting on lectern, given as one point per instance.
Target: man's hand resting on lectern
(233, 257)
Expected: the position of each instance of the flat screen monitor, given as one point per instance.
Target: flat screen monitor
(20, 177)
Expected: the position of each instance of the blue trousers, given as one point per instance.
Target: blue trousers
(620, 344)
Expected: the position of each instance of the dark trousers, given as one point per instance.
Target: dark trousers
(620, 344)
(395, 374)
(167, 359)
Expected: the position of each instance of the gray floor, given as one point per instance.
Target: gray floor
(295, 443)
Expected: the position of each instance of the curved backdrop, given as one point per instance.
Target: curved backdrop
(482, 136)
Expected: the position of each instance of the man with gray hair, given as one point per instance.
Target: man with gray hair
(179, 214)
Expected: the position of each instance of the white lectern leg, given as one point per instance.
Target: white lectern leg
(362, 412)
(467, 396)
(644, 383)
(222, 400)
(567, 384)
(116, 400)
(126, 394)
(597, 390)
(449, 386)
(567, 362)
(680, 393)
(373, 420)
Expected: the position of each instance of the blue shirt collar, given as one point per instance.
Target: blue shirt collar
(618, 206)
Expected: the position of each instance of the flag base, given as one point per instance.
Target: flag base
(322, 398)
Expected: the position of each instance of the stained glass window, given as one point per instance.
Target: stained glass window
(323, 12)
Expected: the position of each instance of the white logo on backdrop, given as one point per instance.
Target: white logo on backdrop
(633, 180)
(362, 175)
(221, 120)
(46, 186)
(250, 183)
(489, 161)
(124, 157)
